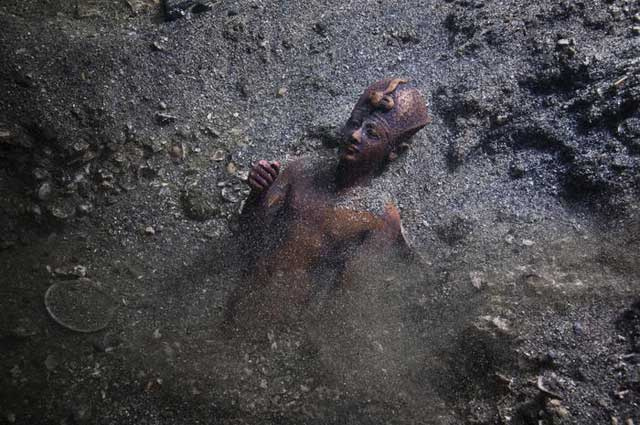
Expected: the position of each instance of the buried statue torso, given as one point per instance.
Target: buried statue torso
(302, 236)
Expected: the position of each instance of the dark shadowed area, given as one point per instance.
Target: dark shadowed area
(125, 140)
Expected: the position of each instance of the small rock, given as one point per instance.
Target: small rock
(70, 273)
(211, 131)
(157, 334)
(517, 170)
(564, 42)
(198, 205)
(476, 279)
(176, 152)
(320, 28)
(578, 329)
(528, 242)
(229, 195)
(44, 191)
(164, 118)
(5, 136)
(84, 209)
(555, 407)
(149, 230)
(40, 174)
(501, 119)
(162, 106)
(281, 92)
(157, 47)
(51, 362)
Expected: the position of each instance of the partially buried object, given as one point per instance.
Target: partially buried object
(80, 305)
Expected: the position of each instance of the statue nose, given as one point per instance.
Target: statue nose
(356, 137)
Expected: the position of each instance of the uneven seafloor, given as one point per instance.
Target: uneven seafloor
(124, 139)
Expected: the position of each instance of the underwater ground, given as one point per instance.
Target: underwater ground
(124, 140)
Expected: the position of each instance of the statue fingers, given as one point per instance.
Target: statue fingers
(255, 185)
(268, 177)
(275, 165)
(259, 179)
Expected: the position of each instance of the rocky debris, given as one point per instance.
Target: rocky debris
(402, 35)
(198, 205)
(70, 272)
(327, 133)
(175, 9)
(455, 229)
(629, 324)
(488, 349)
(107, 343)
(164, 119)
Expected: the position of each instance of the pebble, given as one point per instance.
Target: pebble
(5, 136)
(164, 118)
(555, 406)
(51, 362)
(281, 92)
(231, 168)
(528, 242)
(149, 230)
(176, 151)
(476, 279)
(44, 191)
(577, 328)
(84, 209)
(40, 173)
(162, 106)
(157, 334)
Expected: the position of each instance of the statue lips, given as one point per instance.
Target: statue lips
(350, 151)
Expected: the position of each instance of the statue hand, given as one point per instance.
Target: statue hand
(262, 175)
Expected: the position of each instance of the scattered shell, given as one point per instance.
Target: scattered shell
(219, 155)
(231, 168)
(80, 305)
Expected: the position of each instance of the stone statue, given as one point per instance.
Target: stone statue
(308, 222)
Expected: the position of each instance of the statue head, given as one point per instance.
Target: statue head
(382, 122)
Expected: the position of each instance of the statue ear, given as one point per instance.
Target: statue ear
(398, 150)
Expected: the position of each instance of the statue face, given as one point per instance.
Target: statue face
(366, 140)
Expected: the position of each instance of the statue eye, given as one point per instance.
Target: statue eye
(371, 131)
